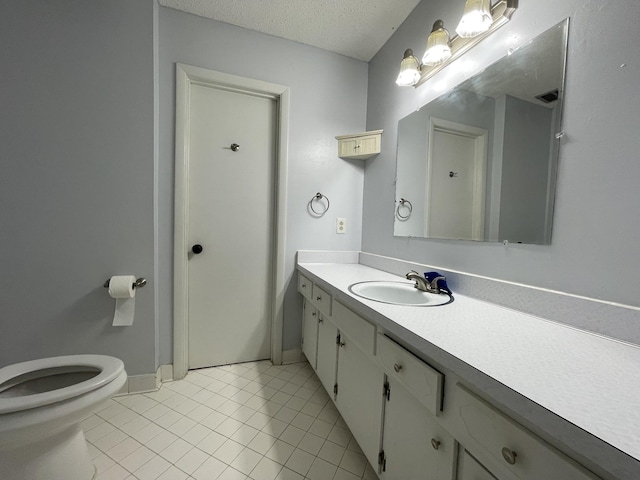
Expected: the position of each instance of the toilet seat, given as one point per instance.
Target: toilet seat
(108, 369)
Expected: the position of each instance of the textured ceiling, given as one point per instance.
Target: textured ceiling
(355, 28)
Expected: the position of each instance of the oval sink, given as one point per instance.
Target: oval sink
(398, 293)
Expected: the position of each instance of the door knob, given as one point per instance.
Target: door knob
(197, 249)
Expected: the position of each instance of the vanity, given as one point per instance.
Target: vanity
(469, 390)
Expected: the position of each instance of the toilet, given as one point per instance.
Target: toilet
(42, 403)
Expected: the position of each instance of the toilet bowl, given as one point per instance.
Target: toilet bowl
(42, 403)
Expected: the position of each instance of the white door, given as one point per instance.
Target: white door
(231, 224)
(455, 181)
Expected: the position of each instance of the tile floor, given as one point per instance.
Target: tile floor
(237, 422)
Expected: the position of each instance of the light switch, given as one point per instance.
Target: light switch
(341, 225)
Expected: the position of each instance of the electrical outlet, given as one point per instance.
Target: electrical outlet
(341, 225)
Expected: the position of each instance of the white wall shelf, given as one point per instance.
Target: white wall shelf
(359, 145)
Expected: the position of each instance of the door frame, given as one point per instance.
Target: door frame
(186, 76)
(480, 137)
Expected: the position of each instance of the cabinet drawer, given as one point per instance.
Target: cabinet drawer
(321, 299)
(506, 448)
(359, 331)
(304, 285)
(419, 378)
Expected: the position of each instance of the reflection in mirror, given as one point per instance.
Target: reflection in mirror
(479, 162)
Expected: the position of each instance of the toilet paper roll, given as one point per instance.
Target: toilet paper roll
(121, 288)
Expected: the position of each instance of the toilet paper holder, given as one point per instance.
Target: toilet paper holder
(139, 283)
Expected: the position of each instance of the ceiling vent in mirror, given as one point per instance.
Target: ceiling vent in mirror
(548, 97)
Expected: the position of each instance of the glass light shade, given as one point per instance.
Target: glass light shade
(476, 18)
(438, 49)
(409, 70)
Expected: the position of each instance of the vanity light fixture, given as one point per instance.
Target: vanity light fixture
(409, 70)
(438, 49)
(476, 18)
(476, 24)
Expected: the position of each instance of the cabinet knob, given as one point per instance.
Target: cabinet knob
(197, 249)
(321, 320)
(435, 444)
(313, 314)
(509, 456)
(304, 285)
(341, 344)
(397, 367)
(318, 298)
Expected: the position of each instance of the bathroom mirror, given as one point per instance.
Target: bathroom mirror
(479, 162)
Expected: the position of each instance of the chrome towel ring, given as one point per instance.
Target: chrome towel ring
(407, 205)
(318, 197)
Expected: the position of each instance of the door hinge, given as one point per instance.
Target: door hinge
(386, 390)
(335, 389)
(338, 339)
(382, 462)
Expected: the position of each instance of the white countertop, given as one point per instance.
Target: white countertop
(589, 380)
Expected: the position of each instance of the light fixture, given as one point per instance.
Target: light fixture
(438, 49)
(409, 70)
(476, 18)
(480, 19)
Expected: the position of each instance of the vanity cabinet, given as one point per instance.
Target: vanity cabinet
(393, 402)
(414, 445)
(327, 353)
(505, 448)
(359, 392)
(310, 332)
(418, 377)
(319, 333)
(470, 469)
(359, 145)
(305, 286)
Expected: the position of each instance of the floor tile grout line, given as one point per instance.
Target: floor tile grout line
(298, 411)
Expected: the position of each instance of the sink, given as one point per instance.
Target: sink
(398, 293)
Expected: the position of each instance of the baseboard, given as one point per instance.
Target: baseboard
(149, 382)
(292, 356)
(166, 373)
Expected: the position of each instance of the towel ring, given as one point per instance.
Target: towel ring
(406, 204)
(317, 197)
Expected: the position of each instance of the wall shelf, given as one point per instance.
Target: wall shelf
(359, 145)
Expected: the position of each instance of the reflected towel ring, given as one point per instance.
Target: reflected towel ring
(317, 197)
(407, 205)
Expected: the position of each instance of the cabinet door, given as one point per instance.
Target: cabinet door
(368, 145)
(309, 332)
(470, 469)
(327, 354)
(415, 445)
(347, 147)
(359, 398)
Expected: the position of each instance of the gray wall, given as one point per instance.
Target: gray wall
(526, 145)
(594, 249)
(76, 183)
(84, 193)
(328, 98)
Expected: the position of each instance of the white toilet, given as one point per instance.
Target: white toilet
(42, 403)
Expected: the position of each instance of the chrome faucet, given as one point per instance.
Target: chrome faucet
(423, 284)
